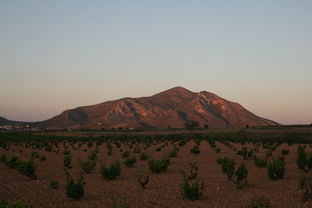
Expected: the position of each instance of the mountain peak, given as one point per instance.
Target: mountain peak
(180, 91)
(172, 107)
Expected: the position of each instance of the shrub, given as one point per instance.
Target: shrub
(276, 168)
(66, 152)
(67, 161)
(109, 149)
(158, 149)
(245, 153)
(54, 184)
(301, 157)
(14, 204)
(217, 150)
(42, 158)
(228, 167)
(158, 166)
(75, 190)
(219, 160)
(195, 150)
(192, 190)
(143, 180)
(305, 183)
(130, 161)
(182, 143)
(193, 172)
(268, 153)
(122, 202)
(88, 165)
(136, 150)
(35, 155)
(241, 174)
(125, 154)
(285, 152)
(93, 155)
(13, 161)
(260, 163)
(27, 168)
(174, 152)
(256, 148)
(309, 161)
(3, 158)
(117, 144)
(259, 203)
(143, 156)
(111, 172)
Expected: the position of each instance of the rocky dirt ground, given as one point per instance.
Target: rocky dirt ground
(163, 190)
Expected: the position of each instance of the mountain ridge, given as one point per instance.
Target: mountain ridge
(168, 109)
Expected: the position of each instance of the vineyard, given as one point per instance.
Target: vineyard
(251, 168)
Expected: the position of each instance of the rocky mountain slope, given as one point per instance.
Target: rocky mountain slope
(170, 108)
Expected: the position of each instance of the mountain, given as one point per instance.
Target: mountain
(171, 108)
(4, 122)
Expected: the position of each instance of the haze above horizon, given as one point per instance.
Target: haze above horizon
(59, 55)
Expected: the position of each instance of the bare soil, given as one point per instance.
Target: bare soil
(163, 190)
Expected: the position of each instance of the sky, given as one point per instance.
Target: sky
(58, 55)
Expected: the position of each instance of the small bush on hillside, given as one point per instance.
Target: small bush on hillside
(136, 149)
(112, 171)
(192, 190)
(67, 161)
(268, 153)
(125, 154)
(88, 165)
(193, 172)
(228, 167)
(260, 163)
(66, 152)
(14, 204)
(309, 161)
(121, 202)
(195, 150)
(158, 166)
(94, 155)
(305, 183)
(143, 156)
(35, 155)
(256, 148)
(259, 203)
(219, 160)
(3, 158)
(75, 190)
(54, 184)
(27, 168)
(13, 161)
(245, 152)
(217, 150)
(276, 168)
(42, 158)
(241, 174)
(130, 162)
(192, 187)
(285, 152)
(158, 149)
(109, 149)
(182, 143)
(174, 152)
(301, 157)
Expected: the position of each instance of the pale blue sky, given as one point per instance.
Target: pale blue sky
(56, 55)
